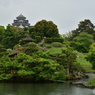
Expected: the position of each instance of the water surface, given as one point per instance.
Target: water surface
(44, 89)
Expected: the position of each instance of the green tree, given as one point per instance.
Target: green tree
(82, 42)
(8, 38)
(37, 66)
(12, 35)
(32, 32)
(38, 39)
(2, 29)
(91, 55)
(19, 33)
(45, 28)
(67, 36)
(84, 26)
(2, 50)
(67, 59)
(30, 48)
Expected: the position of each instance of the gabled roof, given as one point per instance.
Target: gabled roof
(21, 16)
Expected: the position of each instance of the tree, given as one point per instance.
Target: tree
(32, 32)
(38, 39)
(2, 29)
(30, 48)
(2, 50)
(8, 38)
(19, 33)
(36, 67)
(91, 55)
(84, 26)
(67, 59)
(67, 36)
(45, 28)
(12, 35)
(82, 42)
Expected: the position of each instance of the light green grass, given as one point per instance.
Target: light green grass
(85, 64)
(81, 59)
(88, 69)
(91, 83)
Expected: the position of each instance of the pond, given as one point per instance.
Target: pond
(44, 89)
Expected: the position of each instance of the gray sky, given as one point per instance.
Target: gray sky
(66, 14)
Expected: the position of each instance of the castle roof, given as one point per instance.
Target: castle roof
(21, 22)
(21, 17)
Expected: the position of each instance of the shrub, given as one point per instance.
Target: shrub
(50, 40)
(34, 40)
(38, 39)
(30, 48)
(42, 44)
(31, 44)
(57, 44)
(49, 46)
(60, 75)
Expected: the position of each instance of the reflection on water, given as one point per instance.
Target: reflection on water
(43, 89)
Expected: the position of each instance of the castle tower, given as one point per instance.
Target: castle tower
(21, 22)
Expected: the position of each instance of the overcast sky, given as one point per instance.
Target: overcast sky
(66, 14)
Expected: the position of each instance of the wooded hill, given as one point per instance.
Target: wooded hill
(40, 53)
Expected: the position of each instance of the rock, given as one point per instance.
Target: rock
(86, 76)
(77, 83)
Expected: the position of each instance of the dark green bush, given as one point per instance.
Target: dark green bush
(57, 44)
(60, 75)
(42, 44)
(38, 39)
(32, 44)
(48, 46)
(50, 40)
(34, 40)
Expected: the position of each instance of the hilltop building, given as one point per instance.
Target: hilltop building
(21, 22)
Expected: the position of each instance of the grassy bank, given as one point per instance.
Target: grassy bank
(85, 64)
(91, 83)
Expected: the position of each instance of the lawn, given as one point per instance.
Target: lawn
(91, 83)
(81, 59)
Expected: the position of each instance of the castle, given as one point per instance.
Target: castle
(21, 22)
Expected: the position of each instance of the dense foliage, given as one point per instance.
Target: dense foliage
(47, 55)
(38, 66)
(84, 26)
(91, 55)
(44, 28)
(67, 59)
(82, 42)
(54, 39)
(12, 36)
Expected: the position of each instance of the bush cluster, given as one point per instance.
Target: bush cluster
(50, 40)
(57, 44)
